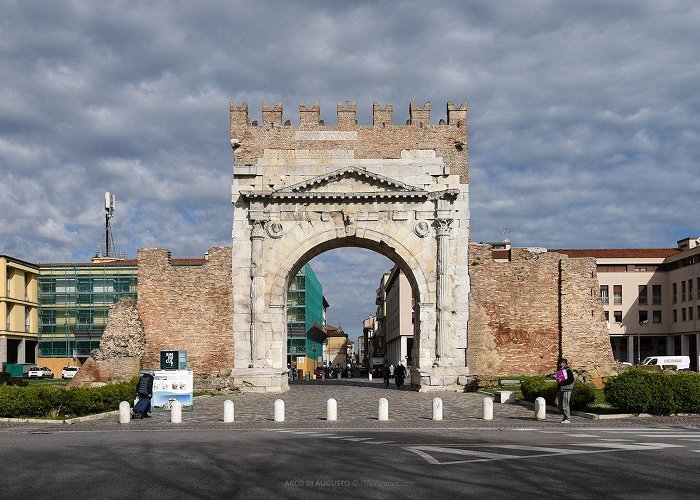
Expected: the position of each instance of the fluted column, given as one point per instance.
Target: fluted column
(257, 340)
(443, 229)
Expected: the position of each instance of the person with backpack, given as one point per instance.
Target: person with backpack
(565, 381)
(144, 390)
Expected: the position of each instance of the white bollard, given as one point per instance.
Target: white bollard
(228, 411)
(437, 409)
(383, 409)
(370, 377)
(331, 409)
(176, 412)
(279, 410)
(124, 412)
(488, 408)
(540, 409)
(338, 375)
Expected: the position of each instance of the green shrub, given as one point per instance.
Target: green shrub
(658, 393)
(532, 388)
(47, 401)
(7, 379)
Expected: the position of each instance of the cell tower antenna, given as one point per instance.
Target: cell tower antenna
(110, 202)
(506, 234)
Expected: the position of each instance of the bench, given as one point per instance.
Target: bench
(504, 397)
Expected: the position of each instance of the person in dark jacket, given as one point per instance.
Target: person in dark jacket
(399, 375)
(144, 389)
(565, 380)
(385, 373)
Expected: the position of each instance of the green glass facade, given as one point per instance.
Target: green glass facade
(74, 300)
(304, 309)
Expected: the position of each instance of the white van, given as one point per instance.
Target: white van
(680, 362)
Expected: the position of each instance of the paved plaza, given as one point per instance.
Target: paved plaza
(357, 401)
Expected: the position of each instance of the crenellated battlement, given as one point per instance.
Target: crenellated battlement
(284, 139)
(310, 117)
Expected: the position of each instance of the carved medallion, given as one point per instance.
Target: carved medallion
(274, 230)
(421, 228)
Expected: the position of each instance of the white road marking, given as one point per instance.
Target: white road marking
(380, 442)
(677, 435)
(582, 435)
(356, 439)
(480, 456)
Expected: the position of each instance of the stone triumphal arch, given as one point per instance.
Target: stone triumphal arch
(401, 191)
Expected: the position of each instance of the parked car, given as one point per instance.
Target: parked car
(40, 372)
(69, 372)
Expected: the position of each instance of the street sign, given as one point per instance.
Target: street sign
(173, 360)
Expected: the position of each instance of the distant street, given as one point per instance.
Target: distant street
(571, 462)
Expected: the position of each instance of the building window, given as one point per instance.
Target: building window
(643, 295)
(656, 316)
(607, 315)
(683, 318)
(84, 317)
(675, 316)
(683, 291)
(690, 289)
(640, 268)
(617, 294)
(618, 316)
(674, 287)
(604, 297)
(690, 314)
(656, 294)
(26, 320)
(643, 317)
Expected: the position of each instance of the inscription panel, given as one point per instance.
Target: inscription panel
(324, 135)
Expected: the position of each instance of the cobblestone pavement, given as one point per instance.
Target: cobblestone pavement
(305, 407)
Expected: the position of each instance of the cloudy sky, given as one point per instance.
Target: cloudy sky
(583, 116)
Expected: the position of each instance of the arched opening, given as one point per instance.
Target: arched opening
(371, 316)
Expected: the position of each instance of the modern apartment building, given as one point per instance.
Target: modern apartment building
(650, 299)
(18, 311)
(399, 318)
(74, 300)
(306, 313)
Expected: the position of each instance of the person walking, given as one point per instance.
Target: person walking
(565, 380)
(400, 375)
(386, 376)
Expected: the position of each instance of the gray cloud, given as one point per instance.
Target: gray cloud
(583, 116)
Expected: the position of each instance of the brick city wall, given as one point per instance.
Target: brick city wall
(518, 308)
(418, 133)
(187, 308)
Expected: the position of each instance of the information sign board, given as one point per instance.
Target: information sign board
(172, 385)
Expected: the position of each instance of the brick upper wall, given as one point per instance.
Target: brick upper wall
(187, 307)
(517, 310)
(382, 139)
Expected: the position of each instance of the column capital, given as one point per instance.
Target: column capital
(442, 226)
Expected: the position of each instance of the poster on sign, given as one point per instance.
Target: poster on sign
(172, 385)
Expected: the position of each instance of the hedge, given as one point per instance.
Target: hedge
(55, 402)
(658, 393)
(533, 388)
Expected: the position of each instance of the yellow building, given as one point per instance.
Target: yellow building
(19, 329)
(336, 346)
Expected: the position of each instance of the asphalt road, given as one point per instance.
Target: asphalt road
(567, 462)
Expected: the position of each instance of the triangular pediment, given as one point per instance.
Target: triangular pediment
(349, 182)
